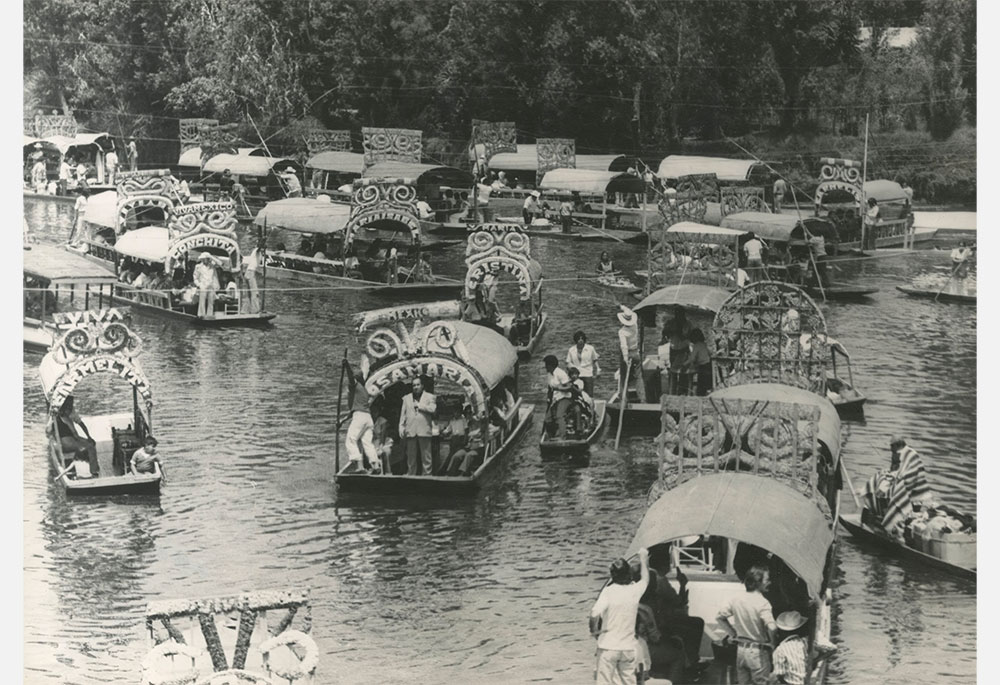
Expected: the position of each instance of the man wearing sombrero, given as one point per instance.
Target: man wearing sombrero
(292, 185)
(629, 363)
(789, 658)
(208, 282)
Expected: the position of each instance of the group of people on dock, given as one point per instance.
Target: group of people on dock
(75, 173)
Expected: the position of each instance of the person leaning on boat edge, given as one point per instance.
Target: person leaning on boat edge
(612, 622)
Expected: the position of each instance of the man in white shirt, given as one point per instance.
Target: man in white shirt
(754, 250)
(416, 430)
(250, 264)
(292, 185)
(532, 208)
(65, 173)
(560, 387)
(779, 191)
(612, 622)
(424, 210)
(584, 357)
(748, 619)
(111, 162)
(79, 211)
(132, 152)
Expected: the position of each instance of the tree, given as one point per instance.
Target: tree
(940, 43)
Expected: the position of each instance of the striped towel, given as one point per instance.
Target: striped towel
(909, 485)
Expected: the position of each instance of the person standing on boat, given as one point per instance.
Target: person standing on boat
(38, 175)
(779, 191)
(207, 281)
(629, 363)
(960, 260)
(566, 213)
(416, 429)
(132, 152)
(251, 262)
(532, 208)
(612, 622)
(111, 162)
(65, 174)
(79, 211)
(584, 357)
(361, 429)
(68, 426)
(292, 186)
(483, 192)
(753, 248)
(560, 388)
(748, 619)
(226, 182)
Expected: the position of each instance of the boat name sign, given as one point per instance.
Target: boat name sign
(80, 370)
(204, 240)
(408, 369)
(70, 319)
(515, 267)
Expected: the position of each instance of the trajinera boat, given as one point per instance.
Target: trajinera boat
(581, 433)
(748, 476)
(471, 373)
(899, 512)
(377, 205)
(92, 342)
(58, 281)
(261, 637)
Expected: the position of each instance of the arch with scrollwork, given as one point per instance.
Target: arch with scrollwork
(380, 199)
(770, 332)
(496, 248)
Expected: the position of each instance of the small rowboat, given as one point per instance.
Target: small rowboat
(617, 284)
(574, 446)
(842, 292)
(941, 295)
(863, 531)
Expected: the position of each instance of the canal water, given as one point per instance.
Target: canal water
(492, 590)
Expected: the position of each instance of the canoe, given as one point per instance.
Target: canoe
(842, 292)
(864, 532)
(936, 294)
(571, 446)
(641, 418)
(617, 284)
(352, 480)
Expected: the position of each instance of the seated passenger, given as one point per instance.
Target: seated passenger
(69, 425)
(383, 446)
(467, 454)
(144, 459)
(574, 378)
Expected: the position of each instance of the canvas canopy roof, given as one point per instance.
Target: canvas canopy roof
(304, 215)
(751, 509)
(779, 227)
(191, 157)
(829, 420)
(526, 159)
(148, 244)
(706, 298)
(490, 353)
(249, 164)
(674, 166)
(586, 181)
(57, 265)
(884, 191)
(102, 209)
(64, 143)
(424, 174)
(340, 161)
(690, 227)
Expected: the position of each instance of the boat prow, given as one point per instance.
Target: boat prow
(864, 532)
(937, 294)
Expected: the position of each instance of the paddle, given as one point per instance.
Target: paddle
(613, 237)
(624, 402)
(850, 485)
(954, 271)
(340, 395)
(62, 473)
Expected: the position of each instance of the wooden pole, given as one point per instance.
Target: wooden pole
(850, 485)
(623, 402)
(340, 395)
(951, 276)
(864, 200)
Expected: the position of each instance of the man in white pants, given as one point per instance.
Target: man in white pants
(360, 448)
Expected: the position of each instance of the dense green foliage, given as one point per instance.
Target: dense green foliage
(631, 75)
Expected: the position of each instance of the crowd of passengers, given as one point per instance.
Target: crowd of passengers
(379, 262)
(411, 431)
(642, 623)
(197, 286)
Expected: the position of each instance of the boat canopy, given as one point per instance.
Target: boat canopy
(58, 266)
(102, 209)
(65, 143)
(149, 244)
(593, 182)
(526, 159)
(750, 509)
(690, 227)
(338, 161)
(828, 427)
(424, 174)
(489, 353)
(305, 215)
(779, 227)
(705, 298)
(190, 158)
(884, 191)
(249, 164)
(675, 166)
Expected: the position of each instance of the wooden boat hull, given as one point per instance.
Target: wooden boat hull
(526, 350)
(938, 295)
(113, 485)
(37, 338)
(853, 524)
(228, 321)
(550, 446)
(350, 481)
(640, 418)
(851, 408)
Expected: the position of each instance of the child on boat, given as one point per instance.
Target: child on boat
(145, 459)
(574, 378)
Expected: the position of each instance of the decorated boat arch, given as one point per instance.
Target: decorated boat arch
(203, 227)
(383, 202)
(139, 192)
(95, 342)
(494, 249)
